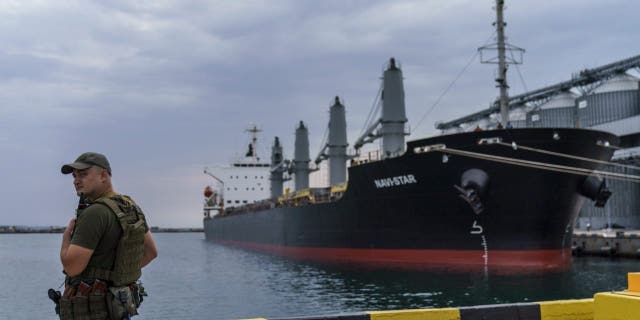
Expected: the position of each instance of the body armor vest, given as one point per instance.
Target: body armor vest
(130, 250)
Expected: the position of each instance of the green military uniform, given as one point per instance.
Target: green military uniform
(114, 227)
(98, 229)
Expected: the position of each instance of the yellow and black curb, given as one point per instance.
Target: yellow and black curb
(528, 311)
(623, 305)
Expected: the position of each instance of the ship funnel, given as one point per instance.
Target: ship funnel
(277, 169)
(393, 111)
(301, 157)
(337, 144)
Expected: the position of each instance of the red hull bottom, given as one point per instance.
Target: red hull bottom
(495, 261)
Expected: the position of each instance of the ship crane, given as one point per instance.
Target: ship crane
(391, 125)
(279, 166)
(585, 79)
(300, 167)
(335, 149)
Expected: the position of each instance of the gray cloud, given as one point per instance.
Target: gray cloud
(167, 87)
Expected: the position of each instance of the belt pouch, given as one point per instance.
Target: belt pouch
(66, 309)
(136, 289)
(117, 309)
(80, 308)
(98, 306)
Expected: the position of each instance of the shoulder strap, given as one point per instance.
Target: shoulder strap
(113, 205)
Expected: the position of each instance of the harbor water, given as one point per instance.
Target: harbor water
(195, 279)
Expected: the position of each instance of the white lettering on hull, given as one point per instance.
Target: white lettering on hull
(395, 181)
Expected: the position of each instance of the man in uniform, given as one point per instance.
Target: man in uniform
(105, 247)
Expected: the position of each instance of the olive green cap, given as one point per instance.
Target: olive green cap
(87, 160)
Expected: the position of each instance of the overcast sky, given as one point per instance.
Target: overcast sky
(165, 88)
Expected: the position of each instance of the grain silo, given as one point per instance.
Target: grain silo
(518, 117)
(615, 99)
(557, 112)
(614, 106)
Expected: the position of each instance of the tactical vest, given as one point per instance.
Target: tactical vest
(130, 250)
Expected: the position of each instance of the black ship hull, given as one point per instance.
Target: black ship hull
(410, 211)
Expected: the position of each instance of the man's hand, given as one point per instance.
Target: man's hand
(69, 230)
(74, 258)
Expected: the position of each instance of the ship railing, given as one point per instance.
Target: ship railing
(312, 195)
(370, 156)
(322, 195)
(250, 207)
(212, 208)
(297, 198)
(339, 188)
(209, 208)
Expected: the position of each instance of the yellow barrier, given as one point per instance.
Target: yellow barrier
(616, 306)
(623, 305)
(417, 314)
(634, 281)
(567, 310)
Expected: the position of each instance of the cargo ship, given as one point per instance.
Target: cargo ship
(501, 200)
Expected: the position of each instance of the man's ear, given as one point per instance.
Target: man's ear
(104, 175)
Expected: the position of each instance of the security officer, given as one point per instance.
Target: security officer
(104, 248)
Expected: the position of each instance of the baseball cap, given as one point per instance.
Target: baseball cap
(86, 160)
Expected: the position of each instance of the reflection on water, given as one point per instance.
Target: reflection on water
(194, 279)
(288, 288)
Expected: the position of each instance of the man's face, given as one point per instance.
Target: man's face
(90, 181)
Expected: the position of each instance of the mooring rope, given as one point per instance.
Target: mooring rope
(564, 155)
(539, 165)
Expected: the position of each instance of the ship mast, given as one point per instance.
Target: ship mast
(502, 65)
(502, 60)
(253, 145)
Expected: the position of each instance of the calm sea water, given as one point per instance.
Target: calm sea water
(194, 279)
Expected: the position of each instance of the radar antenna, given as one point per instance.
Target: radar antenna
(253, 145)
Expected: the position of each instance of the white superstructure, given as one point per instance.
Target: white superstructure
(245, 181)
(242, 184)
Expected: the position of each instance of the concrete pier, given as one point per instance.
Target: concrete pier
(609, 242)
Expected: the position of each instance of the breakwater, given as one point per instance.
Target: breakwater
(611, 243)
(60, 229)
